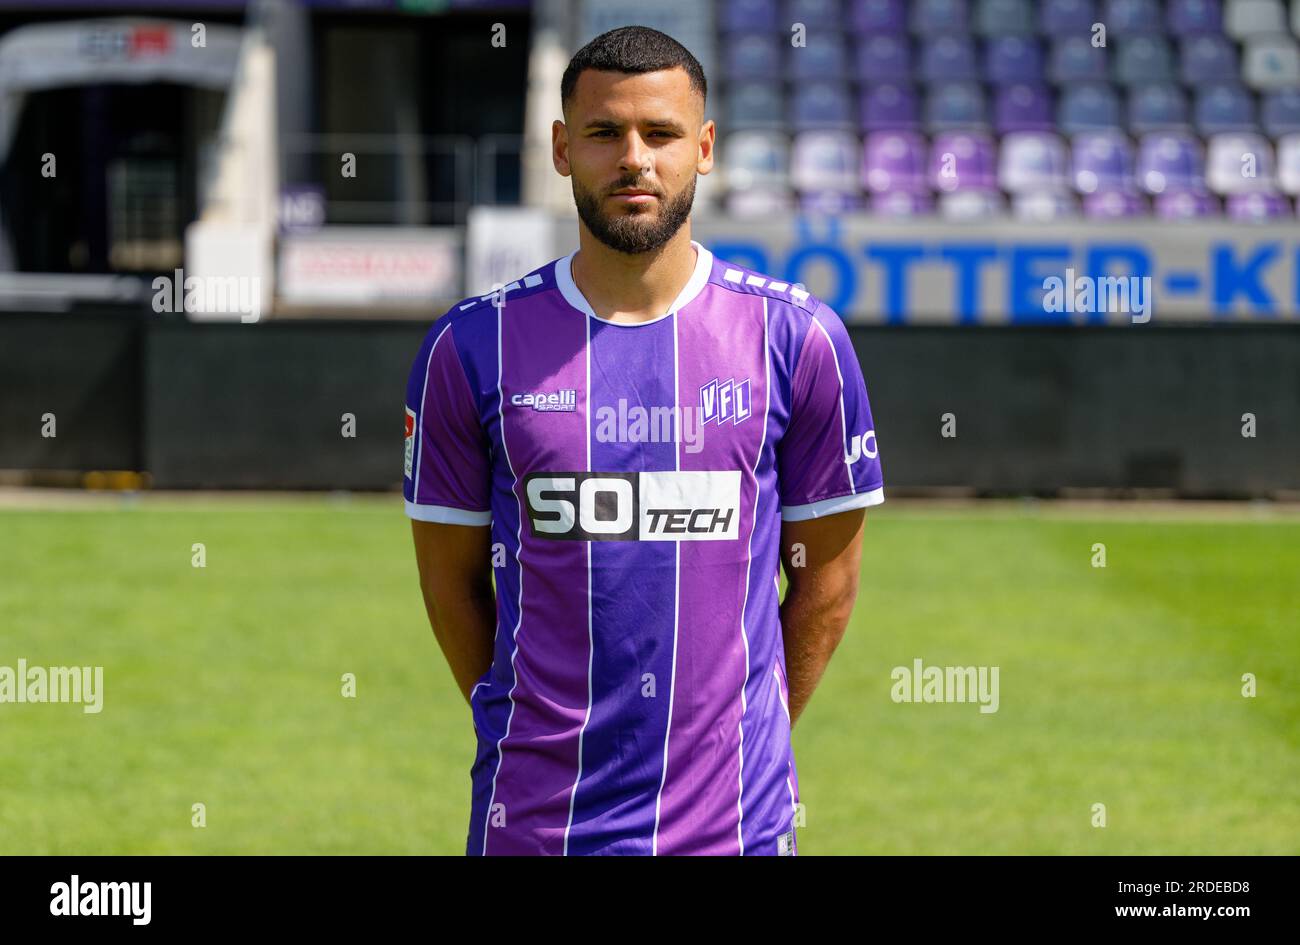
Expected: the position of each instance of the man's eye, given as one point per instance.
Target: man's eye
(606, 132)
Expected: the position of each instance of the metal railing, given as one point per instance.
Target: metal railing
(405, 179)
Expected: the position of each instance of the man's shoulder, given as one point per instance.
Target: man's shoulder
(527, 286)
(474, 318)
(737, 278)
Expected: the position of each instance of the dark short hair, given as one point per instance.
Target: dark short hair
(635, 50)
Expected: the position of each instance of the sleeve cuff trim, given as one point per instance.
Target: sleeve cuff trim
(842, 503)
(447, 515)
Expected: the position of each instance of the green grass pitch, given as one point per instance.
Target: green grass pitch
(1118, 686)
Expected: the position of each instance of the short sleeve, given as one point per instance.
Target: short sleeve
(828, 460)
(447, 459)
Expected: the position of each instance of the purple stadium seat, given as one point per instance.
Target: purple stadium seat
(1075, 59)
(963, 161)
(1031, 161)
(1089, 106)
(1224, 107)
(949, 58)
(821, 104)
(886, 57)
(890, 106)
(1115, 205)
(736, 15)
(752, 56)
(1102, 161)
(1194, 16)
(1157, 108)
(1169, 162)
(1206, 58)
(822, 58)
(900, 204)
(955, 105)
(1061, 17)
(755, 105)
(756, 159)
(1259, 208)
(939, 16)
(1000, 17)
(826, 160)
(815, 14)
(1009, 60)
(1132, 16)
(1143, 59)
(1280, 113)
(1022, 108)
(1288, 163)
(969, 205)
(1186, 205)
(831, 202)
(879, 16)
(1044, 207)
(1239, 164)
(894, 161)
(759, 203)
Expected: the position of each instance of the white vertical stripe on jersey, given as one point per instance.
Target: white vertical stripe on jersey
(677, 594)
(591, 644)
(749, 566)
(514, 636)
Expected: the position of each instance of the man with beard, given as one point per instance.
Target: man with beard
(609, 603)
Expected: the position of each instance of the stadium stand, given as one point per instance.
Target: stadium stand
(1177, 110)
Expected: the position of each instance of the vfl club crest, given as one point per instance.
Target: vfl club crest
(725, 401)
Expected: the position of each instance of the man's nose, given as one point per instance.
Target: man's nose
(634, 153)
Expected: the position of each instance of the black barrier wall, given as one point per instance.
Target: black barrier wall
(263, 406)
(86, 371)
(1034, 410)
(1038, 409)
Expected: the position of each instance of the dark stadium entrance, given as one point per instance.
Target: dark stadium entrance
(105, 178)
(106, 128)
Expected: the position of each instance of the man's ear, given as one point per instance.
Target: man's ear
(560, 147)
(708, 140)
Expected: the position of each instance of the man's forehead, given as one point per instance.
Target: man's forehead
(620, 95)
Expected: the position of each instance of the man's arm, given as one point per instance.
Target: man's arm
(821, 558)
(456, 578)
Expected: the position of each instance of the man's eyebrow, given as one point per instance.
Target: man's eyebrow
(670, 124)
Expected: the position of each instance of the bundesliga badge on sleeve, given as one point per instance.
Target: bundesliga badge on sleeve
(410, 441)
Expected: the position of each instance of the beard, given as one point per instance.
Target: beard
(627, 230)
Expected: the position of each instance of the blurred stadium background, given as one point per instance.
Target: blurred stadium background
(337, 173)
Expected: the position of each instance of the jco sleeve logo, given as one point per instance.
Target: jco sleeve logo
(639, 506)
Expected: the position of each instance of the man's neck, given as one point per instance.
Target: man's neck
(633, 288)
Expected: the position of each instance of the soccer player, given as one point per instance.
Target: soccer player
(630, 440)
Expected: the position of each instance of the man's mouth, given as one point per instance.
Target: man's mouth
(632, 195)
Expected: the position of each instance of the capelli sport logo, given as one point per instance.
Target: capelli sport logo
(556, 401)
(694, 505)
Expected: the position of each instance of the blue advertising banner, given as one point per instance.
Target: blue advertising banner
(939, 272)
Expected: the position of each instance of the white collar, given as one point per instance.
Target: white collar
(694, 285)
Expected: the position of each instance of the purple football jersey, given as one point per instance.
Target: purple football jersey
(635, 477)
